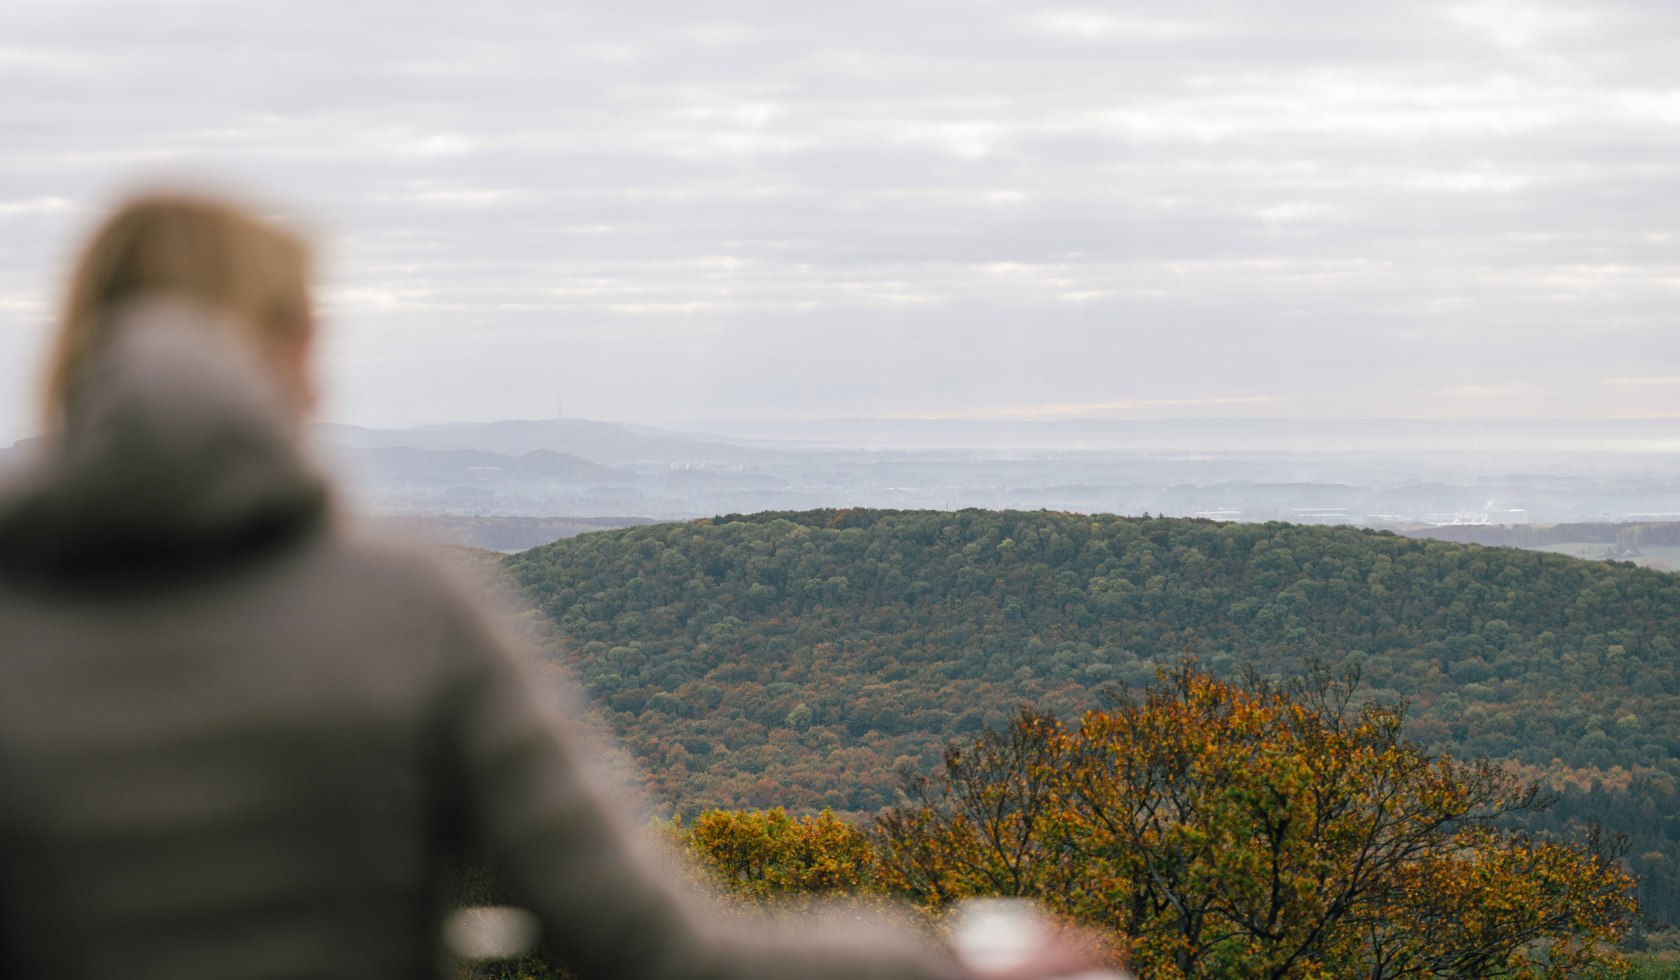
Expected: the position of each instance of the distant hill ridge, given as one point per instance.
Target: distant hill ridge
(601, 442)
(397, 463)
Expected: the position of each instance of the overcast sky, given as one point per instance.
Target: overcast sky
(677, 210)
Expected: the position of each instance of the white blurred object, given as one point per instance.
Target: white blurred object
(995, 935)
(490, 932)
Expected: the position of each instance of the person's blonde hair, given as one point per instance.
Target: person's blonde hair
(249, 271)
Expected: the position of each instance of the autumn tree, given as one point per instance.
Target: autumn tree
(983, 824)
(766, 855)
(1252, 829)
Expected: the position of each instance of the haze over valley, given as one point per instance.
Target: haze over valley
(1400, 474)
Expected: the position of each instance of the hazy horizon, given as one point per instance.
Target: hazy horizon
(1657, 437)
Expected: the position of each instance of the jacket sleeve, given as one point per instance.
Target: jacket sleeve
(607, 907)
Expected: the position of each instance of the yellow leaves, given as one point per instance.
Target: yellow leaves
(1241, 830)
(761, 854)
(1556, 907)
(1221, 830)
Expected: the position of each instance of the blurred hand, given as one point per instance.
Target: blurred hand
(1012, 939)
(1063, 953)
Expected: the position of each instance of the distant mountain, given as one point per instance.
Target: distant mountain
(547, 468)
(405, 464)
(600, 442)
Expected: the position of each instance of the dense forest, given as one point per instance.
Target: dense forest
(1221, 828)
(807, 659)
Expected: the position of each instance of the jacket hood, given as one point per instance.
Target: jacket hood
(178, 456)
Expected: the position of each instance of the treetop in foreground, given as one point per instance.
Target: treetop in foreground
(1250, 829)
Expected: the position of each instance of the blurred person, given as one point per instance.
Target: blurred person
(239, 740)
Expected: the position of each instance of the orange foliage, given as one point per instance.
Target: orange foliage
(1253, 830)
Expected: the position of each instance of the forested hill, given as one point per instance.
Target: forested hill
(797, 658)
(899, 629)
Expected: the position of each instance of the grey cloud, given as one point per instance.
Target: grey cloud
(937, 201)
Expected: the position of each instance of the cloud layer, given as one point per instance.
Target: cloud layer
(1302, 208)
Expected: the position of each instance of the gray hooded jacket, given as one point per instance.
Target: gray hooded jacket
(237, 742)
